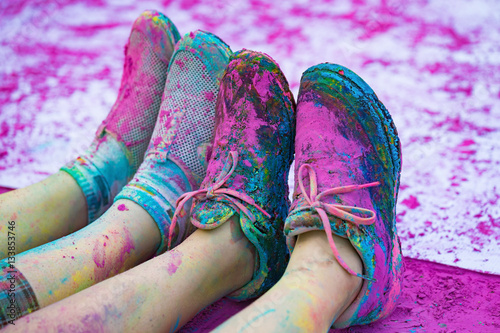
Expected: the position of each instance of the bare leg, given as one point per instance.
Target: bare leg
(42, 212)
(123, 237)
(312, 293)
(160, 295)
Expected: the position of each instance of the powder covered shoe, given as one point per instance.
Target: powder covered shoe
(347, 145)
(248, 170)
(121, 140)
(176, 158)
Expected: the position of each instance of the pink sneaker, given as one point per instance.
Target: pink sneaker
(121, 141)
(248, 170)
(347, 145)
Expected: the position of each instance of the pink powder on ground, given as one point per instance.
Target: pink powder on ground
(4, 189)
(411, 202)
(361, 23)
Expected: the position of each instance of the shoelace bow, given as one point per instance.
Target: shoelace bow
(340, 211)
(216, 190)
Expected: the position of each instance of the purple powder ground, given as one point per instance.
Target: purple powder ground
(62, 69)
(4, 189)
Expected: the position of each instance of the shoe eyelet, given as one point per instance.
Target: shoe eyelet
(259, 227)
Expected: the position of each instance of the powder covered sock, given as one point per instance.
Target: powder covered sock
(175, 160)
(121, 140)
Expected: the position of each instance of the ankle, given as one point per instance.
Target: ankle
(244, 266)
(313, 267)
(233, 253)
(240, 266)
(156, 187)
(100, 172)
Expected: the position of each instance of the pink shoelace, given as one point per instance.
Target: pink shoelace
(214, 191)
(340, 211)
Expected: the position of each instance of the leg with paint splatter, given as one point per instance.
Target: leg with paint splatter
(85, 188)
(160, 295)
(136, 226)
(346, 264)
(239, 250)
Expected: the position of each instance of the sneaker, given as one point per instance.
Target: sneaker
(175, 161)
(347, 146)
(121, 140)
(248, 169)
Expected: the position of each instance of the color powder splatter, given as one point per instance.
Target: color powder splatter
(122, 207)
(175, 262)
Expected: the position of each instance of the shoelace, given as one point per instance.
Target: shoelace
(214, 191)
(340, 211)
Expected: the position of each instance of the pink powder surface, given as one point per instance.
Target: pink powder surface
(434, 66)
(435, 298)
(4, 189)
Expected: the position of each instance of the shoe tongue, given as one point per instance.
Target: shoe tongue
(213, 212)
